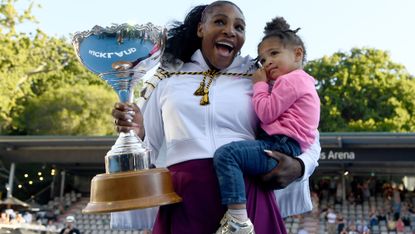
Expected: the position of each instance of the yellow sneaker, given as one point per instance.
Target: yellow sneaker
(230, 225)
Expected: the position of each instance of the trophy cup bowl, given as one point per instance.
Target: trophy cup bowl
(121, 55)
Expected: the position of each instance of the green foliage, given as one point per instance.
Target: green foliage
(14, 66)
(44, 89)
(33, 65)
(70, 110)
(10, 17)
(364, 91)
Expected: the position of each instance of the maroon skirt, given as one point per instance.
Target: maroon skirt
(201, 210)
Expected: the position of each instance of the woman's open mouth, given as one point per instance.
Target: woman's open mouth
(224, 48)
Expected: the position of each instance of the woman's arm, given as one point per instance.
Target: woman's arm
(130, 117)
(290, 169)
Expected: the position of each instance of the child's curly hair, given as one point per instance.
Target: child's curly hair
(278, 27)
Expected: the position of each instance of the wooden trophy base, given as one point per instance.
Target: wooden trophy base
(131, 190)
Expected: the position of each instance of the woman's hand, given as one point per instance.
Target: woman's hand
(259, 75)
(128, 117)
(287, 170)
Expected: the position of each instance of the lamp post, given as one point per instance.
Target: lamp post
(11, 179)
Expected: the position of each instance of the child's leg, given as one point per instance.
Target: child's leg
(234, 160)
(231, 161)
(285, 145)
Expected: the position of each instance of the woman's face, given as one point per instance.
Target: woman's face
(223, 33)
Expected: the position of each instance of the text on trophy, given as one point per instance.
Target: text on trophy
(109, 54)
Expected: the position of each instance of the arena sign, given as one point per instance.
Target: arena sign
(337, 155)
(390, 154)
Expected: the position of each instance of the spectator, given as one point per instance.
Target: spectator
(406, 217)
(315, 201)
(51, 227)
(341, 223)
(400, 226)
(373, 219)
(352, 228)
(11, 213)
(382, 215)
(331, 221)
(365, 191)
(4, 218)
(351, 198)
(391, 224)
(362, 227)
(19, 219)
(70, 226)
(343, 231)
(28, 217)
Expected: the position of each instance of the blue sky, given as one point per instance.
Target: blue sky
(327, 26)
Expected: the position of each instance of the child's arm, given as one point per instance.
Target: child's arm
(259, 75)
(270, 105)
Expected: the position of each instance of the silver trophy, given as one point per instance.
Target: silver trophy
(121, 55)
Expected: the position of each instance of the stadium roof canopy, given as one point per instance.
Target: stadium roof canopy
(85, 153)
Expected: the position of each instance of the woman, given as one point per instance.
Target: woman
(193, 126)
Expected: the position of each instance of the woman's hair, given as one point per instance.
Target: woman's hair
(279, 28)
(182, 39)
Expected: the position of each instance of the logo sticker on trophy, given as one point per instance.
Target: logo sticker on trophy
(121, 55)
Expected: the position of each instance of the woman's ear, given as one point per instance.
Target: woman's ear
(299, 54)
(200, 30)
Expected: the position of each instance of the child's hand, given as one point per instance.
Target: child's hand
(259, 75)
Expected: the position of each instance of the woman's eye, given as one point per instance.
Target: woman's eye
(240, 28)
(219, 22)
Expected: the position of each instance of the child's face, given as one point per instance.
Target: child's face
(277, 59)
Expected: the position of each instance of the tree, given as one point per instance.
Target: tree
(364, 91)
(12, 68)
(70, 110)
(34, 65)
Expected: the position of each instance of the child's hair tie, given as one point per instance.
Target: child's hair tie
(291, 31)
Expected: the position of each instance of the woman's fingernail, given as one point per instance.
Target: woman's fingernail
(131, 112)
(268, 151)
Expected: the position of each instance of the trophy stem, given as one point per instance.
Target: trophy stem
(129, 153)
(123, 82)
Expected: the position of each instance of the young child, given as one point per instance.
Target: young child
(289, 113)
